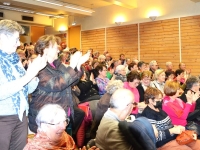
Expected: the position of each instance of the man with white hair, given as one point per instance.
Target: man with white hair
(120, 73)
(153, 65)
(109, 135)
(169, 66)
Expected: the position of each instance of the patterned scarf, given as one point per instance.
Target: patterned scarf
(42, 142)
(8, 62)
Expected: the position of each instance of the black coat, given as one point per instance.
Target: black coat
(54, 88)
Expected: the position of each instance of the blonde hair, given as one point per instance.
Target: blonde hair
(158, 72)
(10, 27)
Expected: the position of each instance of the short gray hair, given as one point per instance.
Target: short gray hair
(121, 98)
(113, 85)
(152, 62)
(10, 27)
(119, 68)
(48, 114)
(168, 63)
(191, 81)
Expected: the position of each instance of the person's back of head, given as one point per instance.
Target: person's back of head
(122, 103)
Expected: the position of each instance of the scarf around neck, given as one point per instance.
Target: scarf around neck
(9, 63)
(42, 142)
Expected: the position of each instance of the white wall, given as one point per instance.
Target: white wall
(105, 16)
(38, 19)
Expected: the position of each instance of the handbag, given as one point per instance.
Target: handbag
(186, 137)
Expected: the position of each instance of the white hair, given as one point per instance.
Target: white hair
(121, 98)
(113, 85)
(101, 57)
(152, 62)
(119, 68)
(168, 63)
(48, 114)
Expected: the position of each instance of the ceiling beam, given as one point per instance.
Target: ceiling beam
(124, 3)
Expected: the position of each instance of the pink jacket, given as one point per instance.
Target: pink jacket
(177, 110)
(135, 93)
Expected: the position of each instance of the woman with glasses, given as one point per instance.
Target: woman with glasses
(52, 121)
(15, 85)
(167, 132)
(101, 80)
(133, 80)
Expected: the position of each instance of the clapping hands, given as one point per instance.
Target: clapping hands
(78, 59)
(191, 96)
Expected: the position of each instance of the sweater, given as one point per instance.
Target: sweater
(177, 110)
(135, 93)
(162, 122)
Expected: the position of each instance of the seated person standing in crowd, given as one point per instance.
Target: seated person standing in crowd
(159, 80)
(101, 79)
(15, 85)
(166, 130)
(120, 73)
(141, 66)
(55, 80)
(52, 121)
(133, 80)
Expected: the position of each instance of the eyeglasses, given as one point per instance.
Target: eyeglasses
(66, 122)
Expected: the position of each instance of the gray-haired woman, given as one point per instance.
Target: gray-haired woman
(104, 104)
(52, 121)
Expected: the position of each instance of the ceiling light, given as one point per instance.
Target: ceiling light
(153, 18)
(50, 2)
(43, 14)
(17, 9)
(71, 7)
(6, 3)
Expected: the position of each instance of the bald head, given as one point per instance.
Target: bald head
(121, 98)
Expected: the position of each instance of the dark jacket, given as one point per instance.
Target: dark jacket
(55, 88)
(102, 107)
(141, 92)
(88, 91)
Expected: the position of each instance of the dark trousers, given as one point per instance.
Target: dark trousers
(13, 132)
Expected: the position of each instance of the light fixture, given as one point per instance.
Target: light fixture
(50, 2)
(16, 9)
(38, 13)
(62, 31)
(73, 23)
(153, 18)
(6, 3)
(80, 9)
(118, 23)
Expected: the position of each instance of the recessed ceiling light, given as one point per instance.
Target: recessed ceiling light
(6, 3)
(49, 2)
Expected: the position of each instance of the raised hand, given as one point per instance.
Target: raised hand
(74, 59)
(83, 59)
(37, 64)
